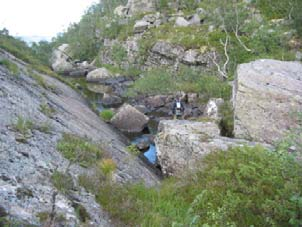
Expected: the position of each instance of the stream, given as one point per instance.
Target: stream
(145, 138)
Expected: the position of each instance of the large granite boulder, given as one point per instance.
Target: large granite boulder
(61, 60)
(267, 97)
(182, 144)
(111, 100)
(98, 75)
(128, 119)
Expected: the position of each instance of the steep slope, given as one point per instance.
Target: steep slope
(29, 159)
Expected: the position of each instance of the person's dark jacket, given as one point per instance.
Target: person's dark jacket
(182, 108)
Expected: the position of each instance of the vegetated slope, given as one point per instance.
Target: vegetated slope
(241, 187)
(224, 35)
(43, 124)
(254, 30)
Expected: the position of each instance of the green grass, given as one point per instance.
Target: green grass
(79, 150)
(161, 81)
(129, 72)
(133, 149)
(47, 110)
(62, 181)
(157, 81)
(12, 67)
(23, 127)
(107, 166)
(42, 82)
(241, 187)
(44, 127)
(107, 115)
(274, 9)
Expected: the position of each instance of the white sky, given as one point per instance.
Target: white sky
(40, 17)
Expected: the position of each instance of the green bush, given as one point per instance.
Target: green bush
(79, 150)
(107, 115)
(226, 123)
(248, 187)
(241, 187)
(297, 17)
(274, 9)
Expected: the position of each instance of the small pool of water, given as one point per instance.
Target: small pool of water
(151, 154)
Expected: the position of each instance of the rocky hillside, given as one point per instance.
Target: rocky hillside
(39, 112)
(188, 49)
(233, 160)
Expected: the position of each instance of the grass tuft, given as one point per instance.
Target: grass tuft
(79, 150)
(12, 67)
(107, 115)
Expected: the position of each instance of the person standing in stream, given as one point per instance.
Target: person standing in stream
(178, 109)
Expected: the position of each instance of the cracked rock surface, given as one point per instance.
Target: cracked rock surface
(267, 97)
(26, 167)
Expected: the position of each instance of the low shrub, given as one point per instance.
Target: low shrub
(79, 150)
(226, 123)
(241, 187)
(107, 115)
(107, 166)
(119, 53)
(274, 9)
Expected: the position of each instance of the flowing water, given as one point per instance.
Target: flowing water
(94, 94)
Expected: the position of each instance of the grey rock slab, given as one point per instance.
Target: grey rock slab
(267, 97)
(27, 167)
